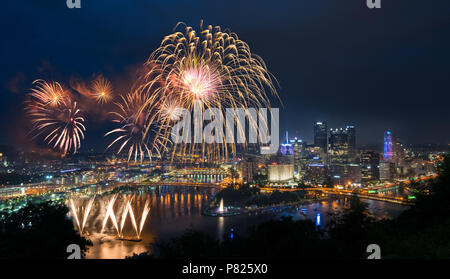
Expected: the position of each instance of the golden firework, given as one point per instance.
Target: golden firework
(214, 68)
(55, 116)
(134, 116)
(101, 90)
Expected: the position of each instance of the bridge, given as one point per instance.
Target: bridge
(342, 192)
(363, 195)
(392, 186)
(173, 183)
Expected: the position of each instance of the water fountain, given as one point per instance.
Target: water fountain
(221, 209)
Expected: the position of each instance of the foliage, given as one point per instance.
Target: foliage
(39, 230)
(247, 196)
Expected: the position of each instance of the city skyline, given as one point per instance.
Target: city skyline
(378, 144)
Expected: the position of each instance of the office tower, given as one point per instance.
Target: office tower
(351, 141)
(370, 162)
(351, 137)
(338, 138)
(321, 135)
(345, 174)
(387, 146)
(387, 170)
(280, 173)
(338, 146)
(398, 155)
(248, 169)
(286, 147)
(297, 146)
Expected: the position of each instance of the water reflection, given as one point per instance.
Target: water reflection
(173, 209)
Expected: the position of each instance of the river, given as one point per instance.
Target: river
(175, 209)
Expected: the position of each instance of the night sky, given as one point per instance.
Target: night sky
(335, 60)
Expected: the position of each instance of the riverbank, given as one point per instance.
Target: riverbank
(251, 200)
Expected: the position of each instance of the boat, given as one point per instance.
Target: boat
(127, 238)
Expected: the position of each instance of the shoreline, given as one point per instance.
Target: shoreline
(262, 209)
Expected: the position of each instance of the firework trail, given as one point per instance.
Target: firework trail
(145, 212)
(110, 214)
(133, 219)
(123, 218)
(87, 210)
(214, 68)
(55, 116)
(128, 210)
(75, 215)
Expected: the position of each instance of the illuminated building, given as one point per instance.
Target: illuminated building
(370, 162)
(351, 141)
(248, 168)
(346, 175)
(297, 146)
(310, 154)
(286, 147)
(338, 146)
(321, 135)
(351, 136)
(342, 146)
(280, 173)
(387, 146)
(315, 174)
(387, 170)
(398, 158)
(398, 155)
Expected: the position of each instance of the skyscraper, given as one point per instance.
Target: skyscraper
(370, 162)
(387, 170)
(351, 141)
(398, 153)
(286, 147)
(297, 146)
(321, 135)
(387, 155)
(342, 145)
(338, 139)
(351, 137)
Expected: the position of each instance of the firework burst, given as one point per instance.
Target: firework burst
(48, 93)
(212, 67)
(134, 116)
(55, 116)
(101, 90)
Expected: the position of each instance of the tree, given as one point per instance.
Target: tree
(348, 231)
(40, 230)
(260, 180)
(234, 176)
(191, 244)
